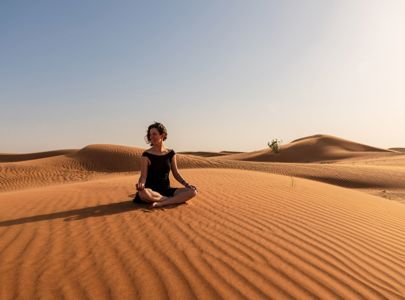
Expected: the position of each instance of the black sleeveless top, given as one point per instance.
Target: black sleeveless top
(158, 171)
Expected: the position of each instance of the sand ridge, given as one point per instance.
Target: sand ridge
(92, 161)
(315, 148)
(12, 157)
(256, 230)
(246, 235)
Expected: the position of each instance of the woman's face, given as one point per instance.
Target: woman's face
(155, 137)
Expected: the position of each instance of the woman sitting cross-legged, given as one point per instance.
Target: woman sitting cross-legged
(154, 184)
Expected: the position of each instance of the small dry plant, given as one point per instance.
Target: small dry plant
(275, 145)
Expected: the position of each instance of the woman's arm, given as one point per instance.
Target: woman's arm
(176, 173)
(144, 169)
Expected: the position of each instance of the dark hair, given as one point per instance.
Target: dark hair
(160, 127)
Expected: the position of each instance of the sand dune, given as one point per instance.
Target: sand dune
(387, 172)
(209, 154)
(256, 230)
(398, 149)
(108, 158)
(246, 235)
(4, 157)
(314, 148)
(84, 164)
(203, 153)
(117, 158)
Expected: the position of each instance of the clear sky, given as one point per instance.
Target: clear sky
(220, 75)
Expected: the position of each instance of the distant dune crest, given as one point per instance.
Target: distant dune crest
(108, 157)
(12, 157)
(20, 171)
(315, 148)
(402, 150)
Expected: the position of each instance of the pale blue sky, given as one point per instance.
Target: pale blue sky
(221, 75)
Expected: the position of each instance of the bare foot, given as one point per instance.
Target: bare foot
(154, 205)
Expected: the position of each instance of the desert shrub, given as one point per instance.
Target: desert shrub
(275, 145)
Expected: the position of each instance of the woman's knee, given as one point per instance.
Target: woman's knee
(187, 191)
(192, 192)
(145, 194)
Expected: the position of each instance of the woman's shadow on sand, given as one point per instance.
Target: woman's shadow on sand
(91, 211)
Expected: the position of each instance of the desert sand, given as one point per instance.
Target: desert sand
(324, 218)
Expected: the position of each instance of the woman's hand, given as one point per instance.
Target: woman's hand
(191, 186)
(140, 186)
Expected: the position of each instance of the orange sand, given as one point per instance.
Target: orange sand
(331, 229)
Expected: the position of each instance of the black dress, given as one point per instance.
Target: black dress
(158, 174)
